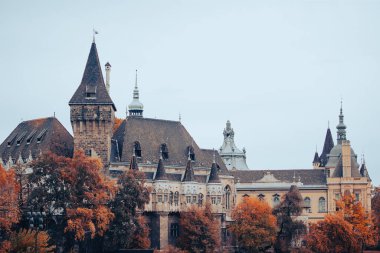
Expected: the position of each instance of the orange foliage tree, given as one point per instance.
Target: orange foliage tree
(332, 235)
(25, 240)
(354, 213)
(350, 229)
(9, 208)
(375, 203)
(89, 194)
(254, 225)
(199, 231)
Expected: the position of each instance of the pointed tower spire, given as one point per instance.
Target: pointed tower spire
(363, 168)
(189, 172)
(133, 164)
(327, 146)
(161, 173)
(316, 160)
(135, 108)
(214, 177)
(341, 127)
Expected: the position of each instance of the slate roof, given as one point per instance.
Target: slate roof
(35, 137)
(327, 146)
(214, 177)
(338, 172)
(151, 133)
(316, 157)
(92, 82)
(308, 176)
(160, 173)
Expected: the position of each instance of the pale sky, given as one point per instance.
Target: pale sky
(276, 69)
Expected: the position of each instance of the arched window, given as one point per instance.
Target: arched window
(159, 196)
(190, 150)
(176, 198)
(227, 192)
(154, 200)
(137, 148)
(276, 199)
(200, 199)
(245, 195)
(164, 151)
(322, 205)
(306, 202)
(171, 197)
(166, 197)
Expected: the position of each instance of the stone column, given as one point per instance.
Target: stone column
(164, 230)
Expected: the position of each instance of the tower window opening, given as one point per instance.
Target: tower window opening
(164, 151)
(190, 152)
(137, 149)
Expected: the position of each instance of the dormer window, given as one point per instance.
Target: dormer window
(164, 151)
(20, 138)
(190, 151)
(30, 137)
(137, 149)
(91, 92)
(41, 135)
(11, 140)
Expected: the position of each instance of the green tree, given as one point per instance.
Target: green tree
(290, 229)
(128, 229)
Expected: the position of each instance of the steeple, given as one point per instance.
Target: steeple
(341, 127)
(316, 162)
(189, 172)
(133, 164)
(327, 146)
(92, 89)
(135, 108)
(161, 174)
(214, 177)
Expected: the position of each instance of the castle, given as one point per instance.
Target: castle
(179, 172)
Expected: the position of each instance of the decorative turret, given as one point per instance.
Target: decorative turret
(327, 146)
(92, 112)
(108, 73)
(363, 169)
(133, 164)
(233, 157)
(135, 108)
(189, 172)
(341, 127)
(214, 177)
(316, 162)
(161, 173)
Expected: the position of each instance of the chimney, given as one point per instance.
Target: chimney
(346, 158)
(108, 72)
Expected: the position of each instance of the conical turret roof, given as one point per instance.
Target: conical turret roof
(327, 146)
(189, 172)
(214, 177)
(92, 89)
(316, 157)
(161, 173)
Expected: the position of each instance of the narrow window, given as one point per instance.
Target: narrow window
(137, 149)
(190, 151)
(164, 151)
(176, 198)
(213, 200)
(322, 205)
(276, 199)
(188, 199)
(171, 196)
(227, 192)
(174, 230)
(200, 199)
(159, 198)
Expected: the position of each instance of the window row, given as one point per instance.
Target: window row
(164, 151)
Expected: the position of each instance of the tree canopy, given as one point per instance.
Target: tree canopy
(254, 225)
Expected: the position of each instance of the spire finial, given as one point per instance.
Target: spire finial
(328, 124)
(213, 155)
(294, 177)
(136, 80)
(179, 117)
(93, 34)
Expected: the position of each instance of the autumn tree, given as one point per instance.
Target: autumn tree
(89, 193)
(290, 229)
(361, 221)
(254, 225)
(332, 235)
(375, 203)
(199, 230)
(128, 230)
(25, 240)
(9, 208)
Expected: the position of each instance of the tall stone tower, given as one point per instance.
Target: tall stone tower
(92, 112)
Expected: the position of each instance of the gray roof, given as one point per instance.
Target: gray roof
(307, 176)
(92, 81)
(338, 172)
(37, 136)
(151, 133)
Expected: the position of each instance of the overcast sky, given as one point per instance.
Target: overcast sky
(276, 69)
